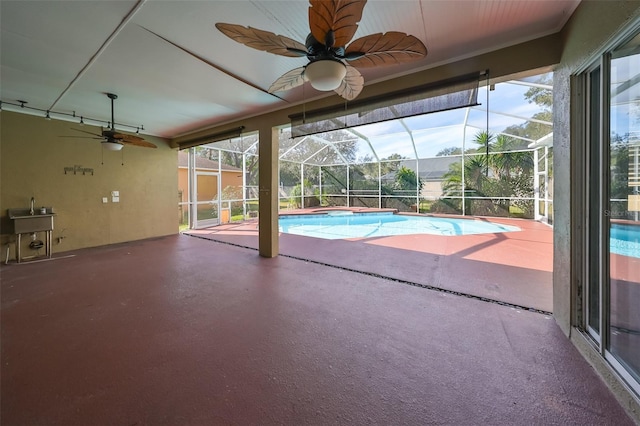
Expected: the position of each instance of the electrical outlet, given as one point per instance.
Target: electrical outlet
(115, 193)
(115, 199)
(105, 200)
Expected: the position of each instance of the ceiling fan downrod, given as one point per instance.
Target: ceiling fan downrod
(112, 96)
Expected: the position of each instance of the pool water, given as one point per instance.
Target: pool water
(625, 240)
(341, 225)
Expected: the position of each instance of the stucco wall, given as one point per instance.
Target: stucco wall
(591, 27)
(33, 156)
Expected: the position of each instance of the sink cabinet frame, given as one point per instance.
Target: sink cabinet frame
(26, 223)
(47, 245)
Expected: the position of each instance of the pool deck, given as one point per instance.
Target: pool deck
(513, 267)
(180, 330)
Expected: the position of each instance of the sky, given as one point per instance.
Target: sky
(434, 132)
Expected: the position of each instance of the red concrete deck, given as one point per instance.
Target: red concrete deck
(512, 267)
(184, 331)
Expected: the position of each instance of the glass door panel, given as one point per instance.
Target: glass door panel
(594, 172)
(207, 203)
(623, 215)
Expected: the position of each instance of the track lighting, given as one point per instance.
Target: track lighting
(17, 105)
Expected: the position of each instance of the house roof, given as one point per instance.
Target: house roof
(204, 163)
(428, 168)
(432, 168)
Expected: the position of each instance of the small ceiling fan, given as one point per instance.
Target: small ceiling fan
(332, 59)
(114, 140)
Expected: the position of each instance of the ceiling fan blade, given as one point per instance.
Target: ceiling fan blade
(136, 142)
(351, 85)
(263, 40)
(89, 133)
(385, 49)
(288, 80)
(80, 137)
(126, 136)
(337, 19)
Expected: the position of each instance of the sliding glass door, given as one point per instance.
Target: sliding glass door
(623, 213)
(611, 286)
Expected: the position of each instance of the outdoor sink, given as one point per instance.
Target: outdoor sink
(26, 223)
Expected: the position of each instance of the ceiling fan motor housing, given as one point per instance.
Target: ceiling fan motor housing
(318, 51)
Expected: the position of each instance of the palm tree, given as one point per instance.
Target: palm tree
(407, 183)
(485, 141)
(504, 162)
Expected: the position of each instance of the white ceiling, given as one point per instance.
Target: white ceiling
(65, 55)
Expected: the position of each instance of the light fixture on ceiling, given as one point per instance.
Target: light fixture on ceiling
(325, 74)
(112, 146)
(61, 115)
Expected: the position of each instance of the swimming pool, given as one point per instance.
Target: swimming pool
(341, 225)
(625, 240)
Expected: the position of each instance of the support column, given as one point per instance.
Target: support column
(536, 185)
(268, 194)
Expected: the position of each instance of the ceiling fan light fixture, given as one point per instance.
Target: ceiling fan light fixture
(112, 146)
(325, 74)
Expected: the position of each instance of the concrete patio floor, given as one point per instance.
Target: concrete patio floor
(180, 330)
(512, 267)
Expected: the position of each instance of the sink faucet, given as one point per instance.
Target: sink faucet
(33, 202)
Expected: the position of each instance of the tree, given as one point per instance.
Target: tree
(499, 175)
(620, 188)
(406, 180)
(449, 151)
(406, 183)
(532, 130)
(485, 141)
(540, 95)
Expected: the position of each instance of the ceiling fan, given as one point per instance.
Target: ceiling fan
(114, 140)
(332, 59)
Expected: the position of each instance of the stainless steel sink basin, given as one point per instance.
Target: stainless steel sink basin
(26, 223)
